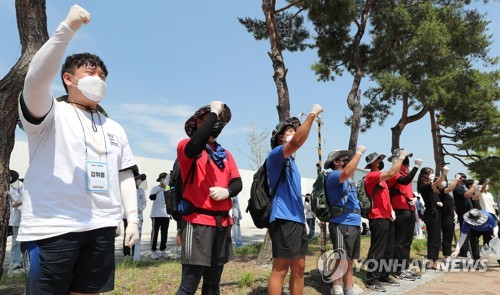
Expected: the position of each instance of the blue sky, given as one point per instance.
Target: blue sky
(167, 58)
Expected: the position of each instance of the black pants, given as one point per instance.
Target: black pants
(191, 276)
(160, 224)
(126, 249)
(447, 229)
(403, 236)
(465, 247)
(474, 243)
(381, 249)
(433, 224)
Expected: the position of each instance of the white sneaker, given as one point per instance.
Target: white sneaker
(154, 255)
(164, 254)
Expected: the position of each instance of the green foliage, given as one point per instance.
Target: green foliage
(250, 249)
(246, 280)
(292, 33)
(419, 246)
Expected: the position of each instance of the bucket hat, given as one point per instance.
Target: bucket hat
(475, 217)
(337, 154)
(395, 153)
(14, 176)
(162, 175)
(372, 158)
(293, 122)
(190, 125)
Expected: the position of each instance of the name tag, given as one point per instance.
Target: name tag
(97, 177)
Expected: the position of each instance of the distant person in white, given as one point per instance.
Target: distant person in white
(79, 174)
(160, 218)
(16, 201)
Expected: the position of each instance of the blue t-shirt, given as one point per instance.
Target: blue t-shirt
(336, 193)
(287, 202)
(485, 227)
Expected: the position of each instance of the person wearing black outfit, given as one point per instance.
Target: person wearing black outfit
(403, 202)
(463, 203)
(448, 216)
(427, 187)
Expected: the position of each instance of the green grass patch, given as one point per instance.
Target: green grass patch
(246, 280)
(250, 249)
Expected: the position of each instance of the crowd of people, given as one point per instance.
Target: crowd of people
(82, 181)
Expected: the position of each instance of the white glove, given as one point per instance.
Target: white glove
(446, 169)
(476, 182)
(360, 150)
(131, 234)
(487, 181)
(418, 162)
(393, 215)
(218, 193)
(316, 109)
(439, 204)
(454, 254)
(458, 176)
(412, 202)
(403, 154)
(216, 107)
(76, 17)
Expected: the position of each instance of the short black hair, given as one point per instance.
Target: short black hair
(79, 60)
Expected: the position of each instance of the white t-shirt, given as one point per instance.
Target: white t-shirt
(141, 202)
(159, 208)
(487, 202)
(16, 194)
(55, 198)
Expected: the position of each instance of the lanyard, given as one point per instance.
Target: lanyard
(99, 151)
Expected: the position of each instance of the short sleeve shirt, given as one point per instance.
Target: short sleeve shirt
(382, 207)
(287, 202)
(336, 193)
(462, 204)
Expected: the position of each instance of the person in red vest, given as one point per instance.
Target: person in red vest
(403, 203)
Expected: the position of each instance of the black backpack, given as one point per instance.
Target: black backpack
(173, 196)
(261, 199)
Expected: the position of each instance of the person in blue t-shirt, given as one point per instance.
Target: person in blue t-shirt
(287, 222)
(345, 218)
(476, 223)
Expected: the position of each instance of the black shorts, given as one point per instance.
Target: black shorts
(205, 245)
(289, 239)
(346, 237)
(81, 262)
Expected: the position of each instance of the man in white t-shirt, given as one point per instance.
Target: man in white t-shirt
(160, 219)
(487, 203)
(79, 174)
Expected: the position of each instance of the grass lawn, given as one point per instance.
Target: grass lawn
(240, 276)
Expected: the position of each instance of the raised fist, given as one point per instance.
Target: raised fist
(418, 162)
(77, 16)
(360, 150)
(316, 109)
(403, 154)
(216, 107)
(446, 169)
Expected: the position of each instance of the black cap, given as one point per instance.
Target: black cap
(162, 175)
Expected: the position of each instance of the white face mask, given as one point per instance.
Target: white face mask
(138, 182)
(92, 87)
(431, 177)
(443, 184)
(288, 138)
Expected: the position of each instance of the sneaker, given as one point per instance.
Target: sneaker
(389, 281)
(414, 275)
(332, 291)
(164, 255)
(405, 275)
(375, 286)
(349, 291)
(154, 255)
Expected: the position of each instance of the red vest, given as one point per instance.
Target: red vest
(400, 194)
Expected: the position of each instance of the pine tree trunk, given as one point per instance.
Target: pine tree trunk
(436, 143)
(279, 76)
(32, 26)
(265, 254)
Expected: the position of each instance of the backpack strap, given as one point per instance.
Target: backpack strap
(344, 208)
(279, 179)
(190, 174)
